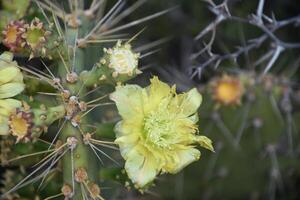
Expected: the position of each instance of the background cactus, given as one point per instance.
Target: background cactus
(250, 97)
(250, 105)
(56, 139)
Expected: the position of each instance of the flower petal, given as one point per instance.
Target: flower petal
(141, 166)
(129, 100)
(125, 140)
(11, 89)
(157, 91)
(5, 59)
(4, 129)
(7, 74)
(185, 157)
(8, 105)
(205, 142)
(190, 102)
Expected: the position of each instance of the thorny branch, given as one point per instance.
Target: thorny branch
(268, 25)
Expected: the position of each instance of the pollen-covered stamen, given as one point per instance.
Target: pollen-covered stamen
(228, 90)
(20, 124)
(158, 126)
(12, 35)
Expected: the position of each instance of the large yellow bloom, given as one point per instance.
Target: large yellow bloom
(158, 132)
(11, 84)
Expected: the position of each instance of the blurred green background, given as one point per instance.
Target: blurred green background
(255, 170)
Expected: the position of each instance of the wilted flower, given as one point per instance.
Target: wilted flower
(20, 124)
(158, 132)
(11, 84)
(35, 37)
(12, 35)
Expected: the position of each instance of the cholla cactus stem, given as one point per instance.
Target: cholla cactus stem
(80, 157)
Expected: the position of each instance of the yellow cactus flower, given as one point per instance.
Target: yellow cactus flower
(158, 132)
(11, 84)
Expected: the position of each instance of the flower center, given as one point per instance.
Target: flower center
(11, 35)
(19, 126)
(228, 92)
(158, 128)
(33, 36)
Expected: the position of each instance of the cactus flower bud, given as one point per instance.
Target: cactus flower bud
(119, 64)
(122, 60)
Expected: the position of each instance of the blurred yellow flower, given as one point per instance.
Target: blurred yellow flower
(158, 132)
(11, 84)
(227, 90)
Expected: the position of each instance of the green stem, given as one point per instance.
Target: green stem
(43, 118)
(82, 156)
